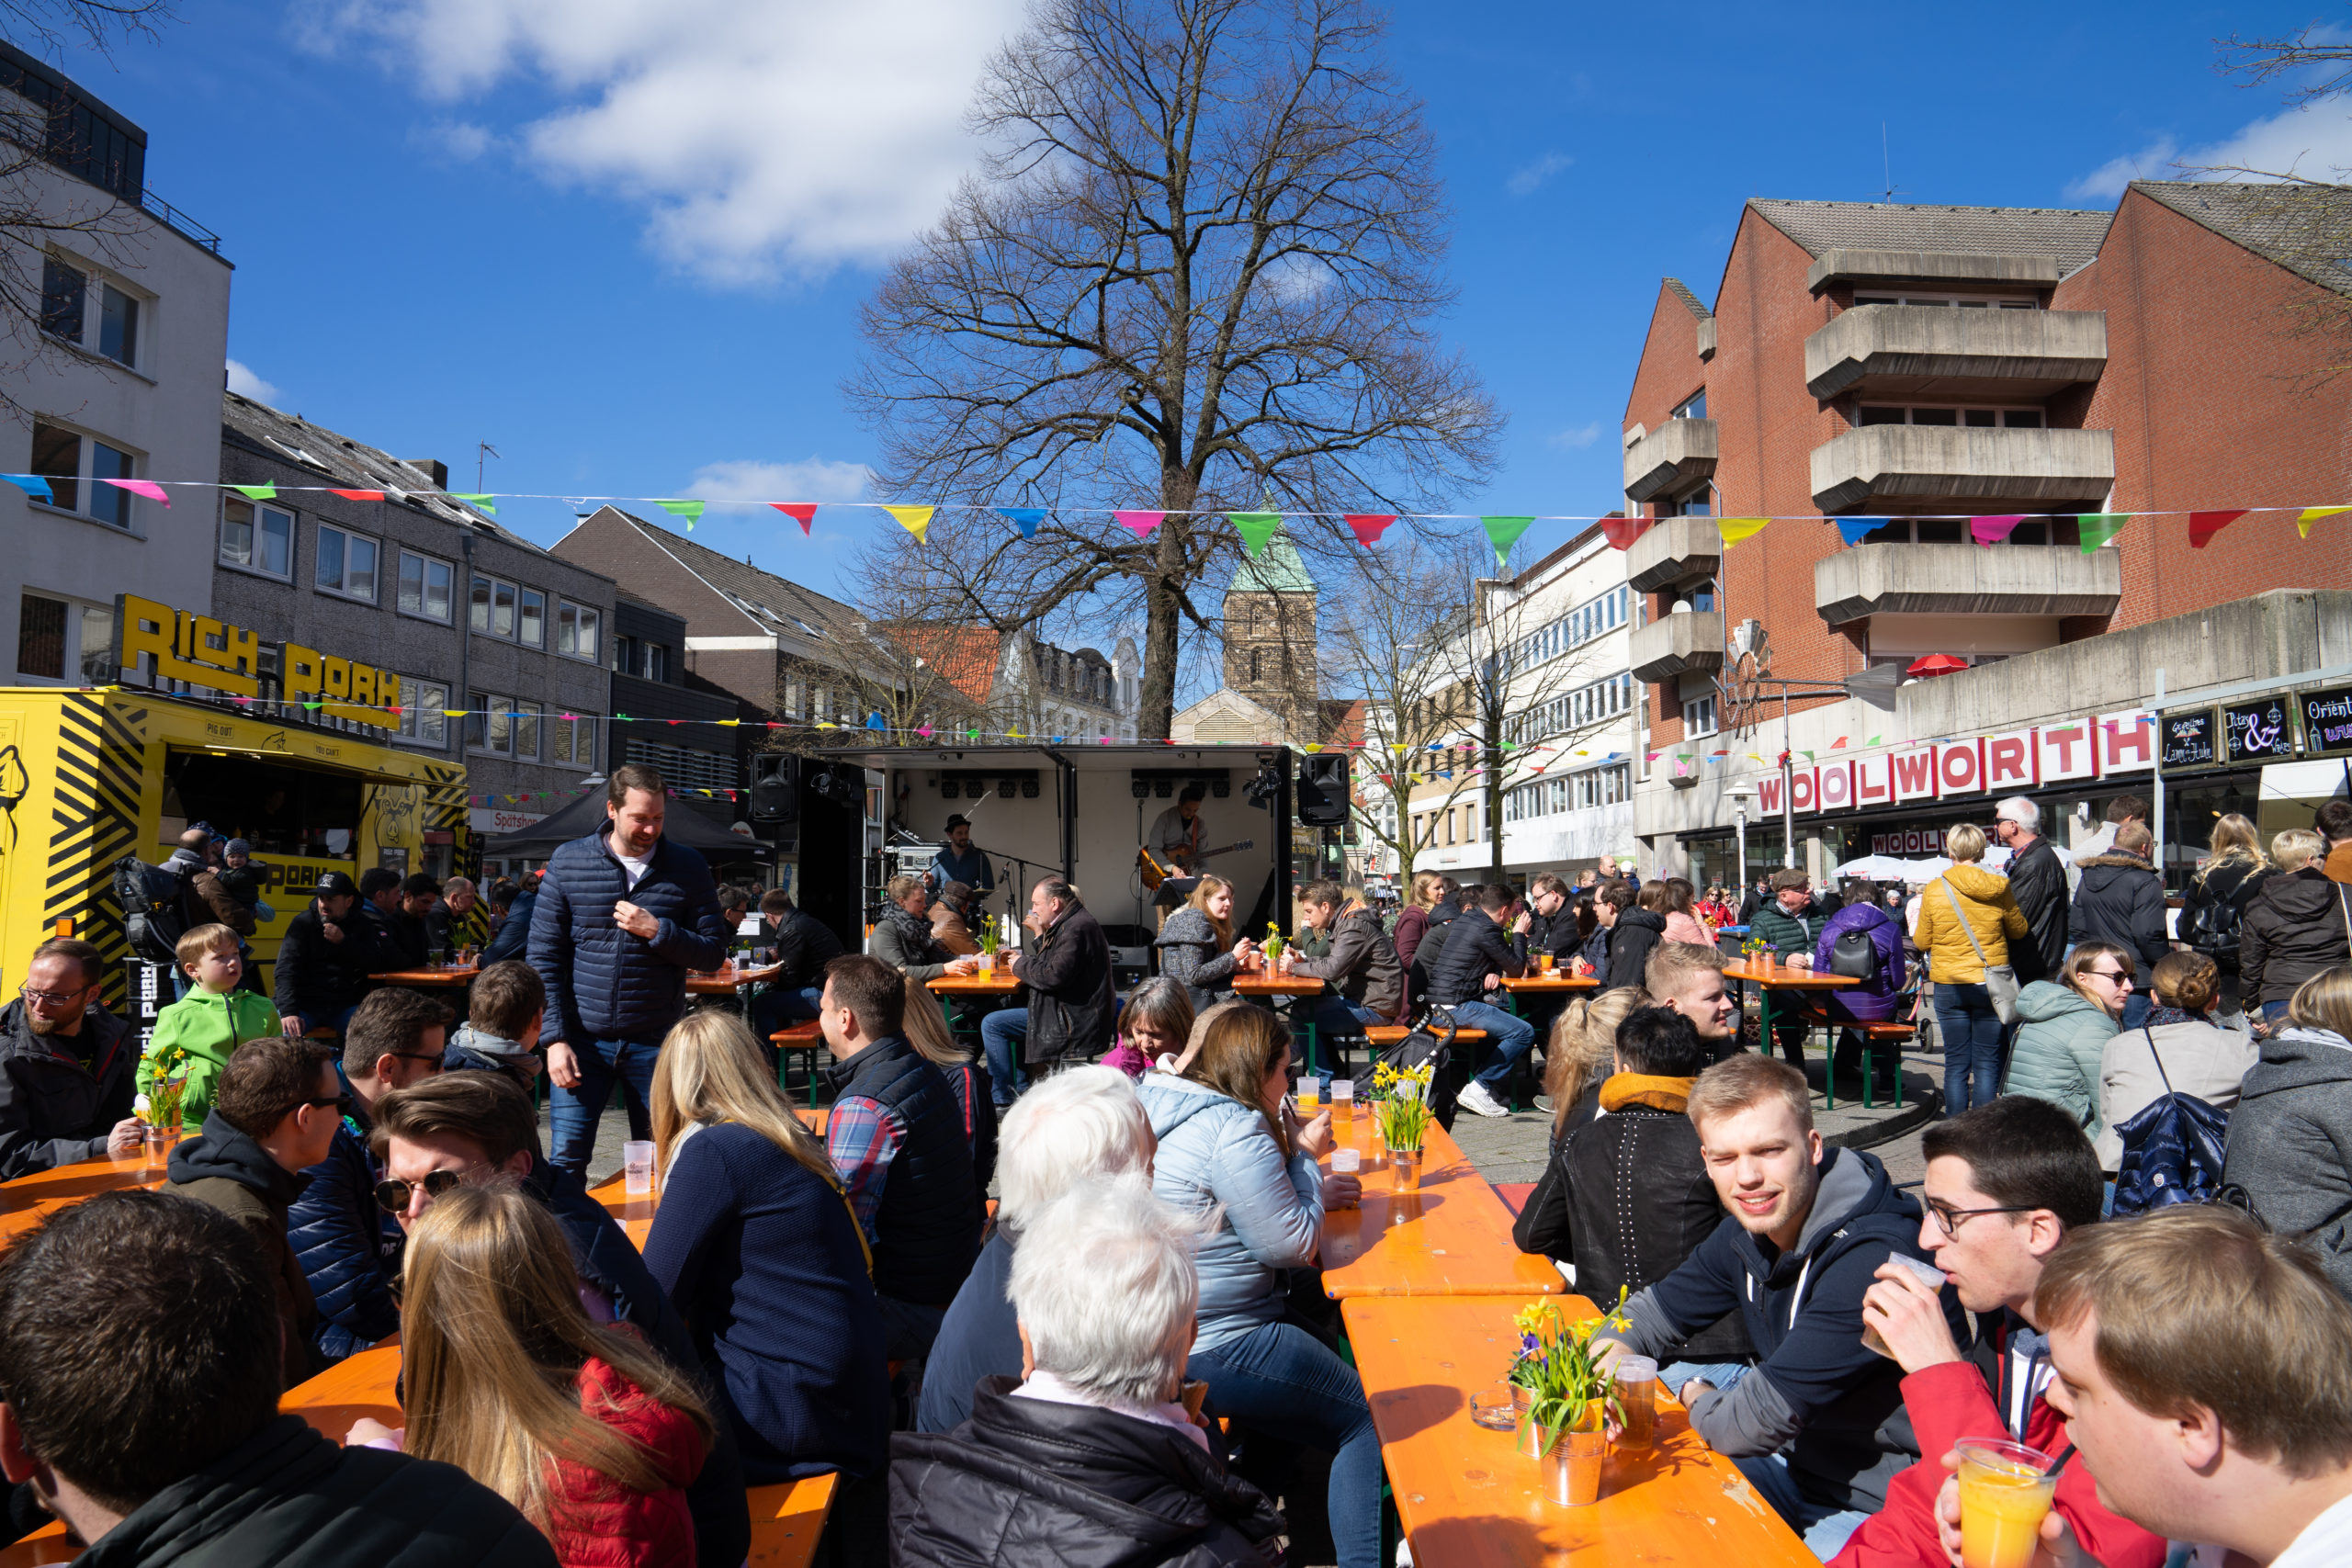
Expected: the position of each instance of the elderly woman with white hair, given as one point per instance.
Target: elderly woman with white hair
(1080, 1126)
(1089, 1456)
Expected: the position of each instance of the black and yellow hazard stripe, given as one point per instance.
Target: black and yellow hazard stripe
(95, 823)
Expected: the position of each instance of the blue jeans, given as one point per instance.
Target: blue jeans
(1281, 1380)
(1717, 1374)
(1003, 1033)
(1972, 1032)
(1333, 1018)
(2136, 1006)
(1824, 1528)
(1509, 1035)
(780, 1006)
(572, 1113)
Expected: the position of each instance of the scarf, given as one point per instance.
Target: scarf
(1620, 1089)
(2160, 1015)
(914, 929)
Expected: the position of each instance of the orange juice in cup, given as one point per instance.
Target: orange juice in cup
(2005, 1490)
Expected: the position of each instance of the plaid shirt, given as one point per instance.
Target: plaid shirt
(862, 1139)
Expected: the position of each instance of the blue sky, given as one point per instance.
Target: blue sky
(624, 240)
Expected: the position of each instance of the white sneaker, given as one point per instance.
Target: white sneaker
(1478, 1102)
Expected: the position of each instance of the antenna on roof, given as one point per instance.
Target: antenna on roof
(1887, 166)
(484, 449)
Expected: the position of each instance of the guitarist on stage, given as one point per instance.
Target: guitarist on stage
(1175, 840)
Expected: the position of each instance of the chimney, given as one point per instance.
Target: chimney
(436, 467)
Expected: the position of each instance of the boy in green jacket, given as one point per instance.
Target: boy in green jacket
(195, 1035)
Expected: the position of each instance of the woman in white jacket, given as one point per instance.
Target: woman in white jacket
(2197, 1058)
(1229, 1142)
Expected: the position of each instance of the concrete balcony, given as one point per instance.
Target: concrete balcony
(1923, 351)
(1971, 470)
(1674, 550)
(1676, 454)
(1690, 642)
(1956, 579)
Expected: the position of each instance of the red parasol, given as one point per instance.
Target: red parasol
(1936, 664)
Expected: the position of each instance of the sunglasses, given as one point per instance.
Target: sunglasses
(342, 1102)
(392, 1196)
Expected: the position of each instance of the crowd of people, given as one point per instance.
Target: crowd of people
(1128, 1357)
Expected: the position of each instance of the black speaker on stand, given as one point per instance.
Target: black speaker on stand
(1324, 798)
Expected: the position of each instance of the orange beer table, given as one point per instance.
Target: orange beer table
(27, 1200)
(456, 974)
(1001, 983)
(726, 979)
(1466, 1498)
(1547, 984)
(1453, 1238)
(1264, 985)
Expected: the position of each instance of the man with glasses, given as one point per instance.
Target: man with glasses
(468, 1129)
(2038, 882)
(274, 1115)
(348, 1248)
(2008, 1185)
(66, 1067)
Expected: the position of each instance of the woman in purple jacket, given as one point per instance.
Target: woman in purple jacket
(1876, 998)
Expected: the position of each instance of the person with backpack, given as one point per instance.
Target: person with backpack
(2213, 913)
(1861, 942)
(2290, 1138)
(2176, 1051)
(2300, 923)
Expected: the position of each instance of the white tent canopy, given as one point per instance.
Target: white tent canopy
(1891, 868)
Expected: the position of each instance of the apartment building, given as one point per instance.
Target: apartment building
(1918, 366)
(116, 381)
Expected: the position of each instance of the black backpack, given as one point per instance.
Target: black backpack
(1853, 955)
(2173, 1148)
(2212, 927)
(154, 909)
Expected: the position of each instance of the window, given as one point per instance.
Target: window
(526, 731)
(41, 637)
(347, 563)
(1695, 409)
(1954, 531)
(109, 503)
(1700, 502)
(531, 627)
(1699, 716)
(257, 538)
(57, 457)
(1601, 786)
(490, 725)
(73, 464)
(1951, 302)
(572, 740)
(625, 655)
(62, 289)
(422, 718)
(424, 587)
(1976, 419)
(57, 641)
(657, 661)
(118, 325)
(576, 629)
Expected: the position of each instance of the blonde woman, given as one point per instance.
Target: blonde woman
(1413, 923)
(1197, 949)
(1964, 902)
(2292, 1128)
(2215, 912)
(756, 1246)
(926, 1025)
(582, 1426)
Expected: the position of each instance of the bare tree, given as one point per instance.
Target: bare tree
(909, 674)
(1197, 272)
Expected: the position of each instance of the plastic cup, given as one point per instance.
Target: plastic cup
(1343, 1101)
(1346, 1162)
(1310, 1097)
(637, 1167)
(988, 964)
(2004, 1490)
(1927, 1274)
(1636, 1379)
(1544, 962)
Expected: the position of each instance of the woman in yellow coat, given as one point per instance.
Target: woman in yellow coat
(1964, 901)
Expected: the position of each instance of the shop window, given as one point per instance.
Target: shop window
(256, 538)
(347, 564)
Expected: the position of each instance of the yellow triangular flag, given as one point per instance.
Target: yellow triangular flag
(1734, 529)
(916, 520)
(2312, 514)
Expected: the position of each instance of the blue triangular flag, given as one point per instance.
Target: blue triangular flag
(1025, 518)
(1854, 530)
(32, 485)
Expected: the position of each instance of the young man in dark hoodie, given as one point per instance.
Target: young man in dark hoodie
(66, 1067)
(1470, 970)
(1812, 1425)
(1634, 928)
(274, 1116)
(2120, 899)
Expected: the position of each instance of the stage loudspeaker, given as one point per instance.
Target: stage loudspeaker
(1323, 795)
(776, 789)
(839, 786)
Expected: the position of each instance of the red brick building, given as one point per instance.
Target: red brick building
(1924, 364)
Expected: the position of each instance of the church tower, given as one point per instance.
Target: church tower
(1270, 636)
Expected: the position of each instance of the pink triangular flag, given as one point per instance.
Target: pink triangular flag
(141, 487)
(1139, 523)
(800, 511)
(1991, 531)
(1369, 525)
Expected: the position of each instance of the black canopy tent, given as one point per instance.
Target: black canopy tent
(582, 817)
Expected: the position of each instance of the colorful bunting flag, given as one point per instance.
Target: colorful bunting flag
(1734, 529)
(1854, 530)
(358, 494)
(2097, 527)
(1621, 532)
(256, 492)
(2203, 525)
(1991, 531)
(2312, 514)
(1139, 523)
(689, 510)
(1503, 532)
(152, 490)
(32, 485)
(801, 512)
(479, 503)
(915, 520)
(1369, 526)
(1255, 528)
(1025, 518)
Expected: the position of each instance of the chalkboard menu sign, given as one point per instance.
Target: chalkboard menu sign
(2328, 719)
(2190, 739)
(2260, 731)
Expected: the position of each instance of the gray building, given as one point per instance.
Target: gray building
(346, 550)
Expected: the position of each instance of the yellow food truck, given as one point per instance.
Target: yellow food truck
(90, 775)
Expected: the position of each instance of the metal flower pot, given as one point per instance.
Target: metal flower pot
(1407, 1164)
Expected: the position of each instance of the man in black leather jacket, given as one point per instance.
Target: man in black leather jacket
(2038, 882)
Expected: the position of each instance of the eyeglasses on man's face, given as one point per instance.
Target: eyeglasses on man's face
(52, 998)
(1951, 1219)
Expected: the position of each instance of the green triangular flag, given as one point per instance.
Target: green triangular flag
(479, 502)
(2098, 527)
(1874, 739)
(1255, 527)
(1503, 532)
(256, 492)
(689, 510)
(1807, 755)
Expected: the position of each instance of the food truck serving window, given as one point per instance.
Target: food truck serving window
(276, 806)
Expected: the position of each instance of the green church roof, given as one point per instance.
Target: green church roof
(1277, 568)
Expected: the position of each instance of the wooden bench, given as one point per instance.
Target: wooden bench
(801, 1039)
(1876, 1035)
(1394, 1034)
(786, 1520)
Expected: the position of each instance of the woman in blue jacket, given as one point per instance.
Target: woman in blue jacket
(1227, 1141)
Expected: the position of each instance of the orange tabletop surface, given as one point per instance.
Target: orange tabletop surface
(721, 982)
(25, 1200)
(1552, 982)
(1003, 983)
(1453, 1238)
(1468, 1500)
(1277, 985)
(1779, 976)
(428, 976)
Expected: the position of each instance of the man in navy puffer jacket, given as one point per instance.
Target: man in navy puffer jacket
(622, 915)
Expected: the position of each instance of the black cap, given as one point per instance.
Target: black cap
(335, 884)
(958, 820)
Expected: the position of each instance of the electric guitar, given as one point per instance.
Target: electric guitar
(1154, 874)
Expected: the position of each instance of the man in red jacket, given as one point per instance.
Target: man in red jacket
(2006, 1184)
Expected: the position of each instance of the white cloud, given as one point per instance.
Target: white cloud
(755, 482)
(2314, 141)
(1571, 440)
(1528, 177)
(780, 138)
(245, 384)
